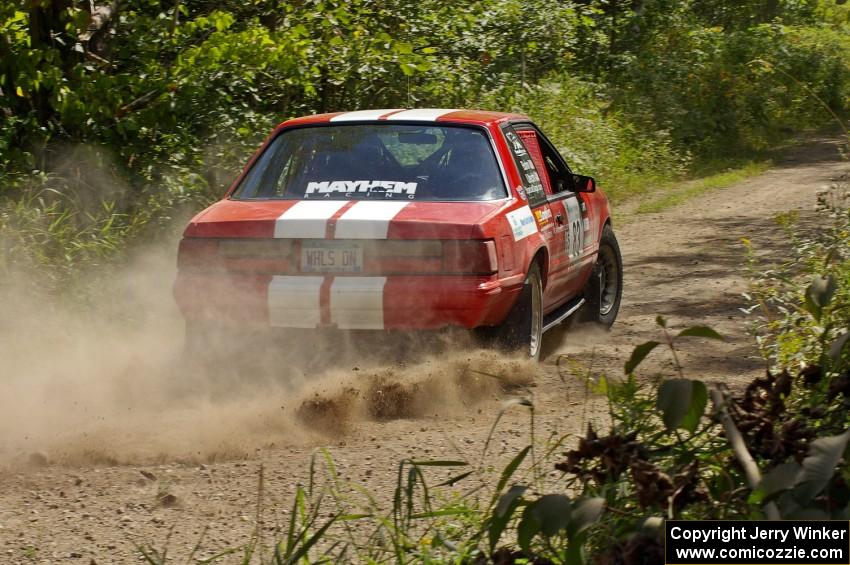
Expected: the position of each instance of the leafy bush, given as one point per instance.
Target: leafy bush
(64, 230)
(715, 99)
(178, 96)
(597, 140)
(801, 311)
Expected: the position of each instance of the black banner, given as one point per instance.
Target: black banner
(757, 542)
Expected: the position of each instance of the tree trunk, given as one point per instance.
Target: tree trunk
(46, 21)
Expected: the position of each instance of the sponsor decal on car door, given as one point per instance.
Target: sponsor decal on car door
(536, 215)
(581, 241)
(550, 215)
(575, 229)
(522, 222)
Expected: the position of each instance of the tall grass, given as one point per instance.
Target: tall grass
(62, 233)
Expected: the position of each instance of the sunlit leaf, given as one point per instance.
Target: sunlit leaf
(638, 355)
(509, 498)
(682, 403)
(502, 514)
(438, 463)
(511, 468)
(819, 295)
(548, 515)
(454, 480)
(585, 512)
(551, 512)
(653, 525)
(526, 529)
(777, 480)
(819, 466)
(836, 349)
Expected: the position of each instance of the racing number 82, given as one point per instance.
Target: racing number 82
(575, 235)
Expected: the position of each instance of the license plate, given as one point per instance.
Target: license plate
(331, 257)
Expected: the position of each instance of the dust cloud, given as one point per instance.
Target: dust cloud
(108, 383)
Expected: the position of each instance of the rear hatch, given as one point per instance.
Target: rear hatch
(361, 198)
(359, 237)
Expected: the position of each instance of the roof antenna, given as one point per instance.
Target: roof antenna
(408, 92)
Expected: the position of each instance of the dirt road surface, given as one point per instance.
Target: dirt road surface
(685, 264)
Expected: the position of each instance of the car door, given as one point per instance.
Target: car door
(556, 222)
(570, 211)
(526, 154)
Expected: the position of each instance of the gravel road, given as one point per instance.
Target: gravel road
(108, 486)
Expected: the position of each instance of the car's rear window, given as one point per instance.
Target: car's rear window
(376, 161)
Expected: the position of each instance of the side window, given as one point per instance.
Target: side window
(531, 181)
(562, 177)
(529, 138)
(558, 178)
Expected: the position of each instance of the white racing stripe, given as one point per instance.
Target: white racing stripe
(357, 303)
(307, 219)
(367, 220)
(362, 115)
(294, 302)
(422, 114)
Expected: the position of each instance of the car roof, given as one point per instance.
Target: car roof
(424, 115)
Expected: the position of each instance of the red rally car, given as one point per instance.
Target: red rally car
(404, 220)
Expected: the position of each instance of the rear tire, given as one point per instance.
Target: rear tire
(604, 290)
(522, 330)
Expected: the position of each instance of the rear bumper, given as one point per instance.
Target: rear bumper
(346, 302)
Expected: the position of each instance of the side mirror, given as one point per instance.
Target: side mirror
(584, 184)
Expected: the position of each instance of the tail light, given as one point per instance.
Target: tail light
(198, 253)
(236, 255)
(471, 257)
(477, 257)
(255, 248)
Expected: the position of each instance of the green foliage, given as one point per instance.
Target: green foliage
(682, 403)
(594, 138)
(114, 124)
(801, 310)
(686, 67)
(639, 354)
(179, 95)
